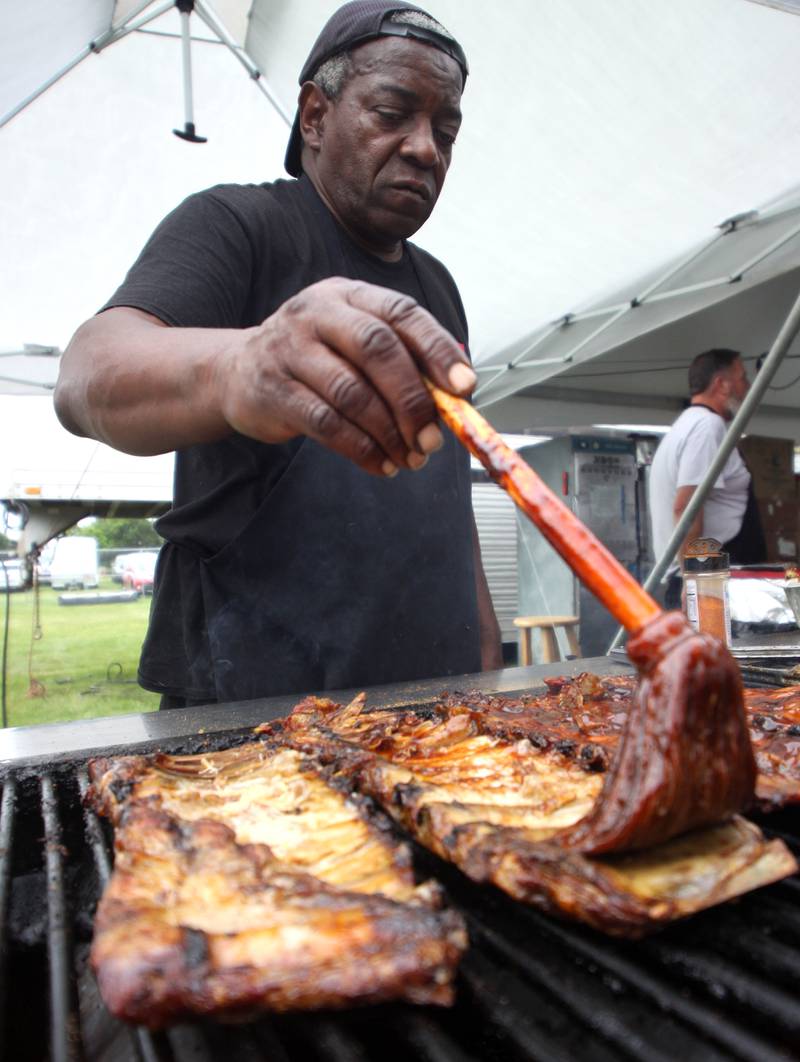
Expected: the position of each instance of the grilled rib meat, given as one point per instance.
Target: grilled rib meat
(496, 806)
(246, 880)
(582, 719)
(684, 760)
(267, 795)
(773, 717)
(256, 877)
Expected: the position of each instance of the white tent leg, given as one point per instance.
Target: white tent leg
(185, 7)
(133, 23)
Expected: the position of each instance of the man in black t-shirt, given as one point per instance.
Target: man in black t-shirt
(274, 336)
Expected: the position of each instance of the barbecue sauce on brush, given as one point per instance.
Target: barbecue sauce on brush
(685, 758)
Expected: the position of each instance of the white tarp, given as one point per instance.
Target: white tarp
(601, 138)
(735, 291)
(95, 167)
(40, 38)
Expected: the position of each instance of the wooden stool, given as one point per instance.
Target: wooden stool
(547, 625)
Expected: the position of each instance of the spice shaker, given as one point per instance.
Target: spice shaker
(706, 571)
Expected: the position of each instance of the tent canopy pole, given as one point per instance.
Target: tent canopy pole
(132, 23)
(780, 347)
(188, 133)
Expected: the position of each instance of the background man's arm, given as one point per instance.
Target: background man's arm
(683, 496)
(491, 644)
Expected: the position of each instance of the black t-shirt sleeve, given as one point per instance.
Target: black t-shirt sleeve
(196, 268)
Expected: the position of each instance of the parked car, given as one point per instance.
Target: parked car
(74, 563)
(118, 567)
(12, 574)
(139, 571)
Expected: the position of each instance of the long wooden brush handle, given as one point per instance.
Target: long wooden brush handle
(624, 598)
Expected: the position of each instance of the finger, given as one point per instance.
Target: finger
(375, 349)
(309, 414)
(341, 386)
(432, 347)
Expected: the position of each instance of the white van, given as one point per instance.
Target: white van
(74, 563)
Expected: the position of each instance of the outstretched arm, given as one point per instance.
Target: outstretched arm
(340, 362)
(683, 496)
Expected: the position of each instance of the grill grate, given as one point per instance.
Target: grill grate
(720, 986)
(7, 810)
(63, 1018)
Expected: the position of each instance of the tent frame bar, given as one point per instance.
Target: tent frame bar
(115, 33)
(522, 354)
(767, 251)
(133, 22)
(772, 363)
(624, 308)
(209, 17)
(30, 350)
(519, 364)
(188, 133)
(27, 383)
(612, 314)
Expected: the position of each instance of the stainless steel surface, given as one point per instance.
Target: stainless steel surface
(784, 644)
(495, 518)
(793, 597)
(781, 645)
(772, 652)
(596, 476)
(52, 742)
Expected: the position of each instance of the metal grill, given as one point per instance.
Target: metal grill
(722, 985)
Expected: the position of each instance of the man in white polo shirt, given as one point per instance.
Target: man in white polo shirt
(717, 384)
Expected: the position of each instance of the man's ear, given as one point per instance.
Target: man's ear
(313, 105)
(720, 382)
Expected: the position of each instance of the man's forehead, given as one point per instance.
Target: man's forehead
(383, 53)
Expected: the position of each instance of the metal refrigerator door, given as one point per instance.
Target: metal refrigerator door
(604, 498)
(547, 586)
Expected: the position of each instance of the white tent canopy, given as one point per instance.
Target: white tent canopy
(634, 347)
(601, 138)
(28, 370)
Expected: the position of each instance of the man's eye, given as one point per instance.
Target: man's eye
(445, 138)
(391, 116)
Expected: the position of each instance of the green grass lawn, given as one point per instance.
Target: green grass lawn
(85, 660)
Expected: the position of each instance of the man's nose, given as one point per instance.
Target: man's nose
(420, 144)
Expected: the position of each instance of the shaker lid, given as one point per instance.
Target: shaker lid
(705, 555)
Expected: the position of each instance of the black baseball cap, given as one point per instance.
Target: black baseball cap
(356, 23)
